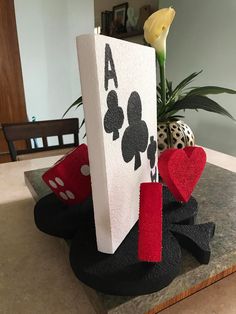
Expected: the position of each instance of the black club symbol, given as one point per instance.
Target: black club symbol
(135, 138)
(151, 155)
(114, 116)
(179, 220)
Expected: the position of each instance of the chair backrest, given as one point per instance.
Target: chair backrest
(29, 131)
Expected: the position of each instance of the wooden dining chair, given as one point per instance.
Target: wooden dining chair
(30, 132)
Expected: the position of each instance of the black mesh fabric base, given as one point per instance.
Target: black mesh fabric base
(120, 273)
(55, 218)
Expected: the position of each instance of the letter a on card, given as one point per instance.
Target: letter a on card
(118, 81)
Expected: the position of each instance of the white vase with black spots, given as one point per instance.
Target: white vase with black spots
(174, 134)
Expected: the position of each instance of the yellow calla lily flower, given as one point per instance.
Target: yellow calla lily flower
(156, 29)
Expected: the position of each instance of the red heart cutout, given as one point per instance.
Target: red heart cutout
(181, 169)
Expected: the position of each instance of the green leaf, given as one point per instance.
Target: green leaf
(206, 90)
(158, 90)
(171, 118)
(199, 102)
(169, 90)
(169, 86)
(80, 104)
(186, 81)
(176, 117)
(178, 91)
(82, 123)
(76, 103)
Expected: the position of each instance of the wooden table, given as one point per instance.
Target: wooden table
(35, 276)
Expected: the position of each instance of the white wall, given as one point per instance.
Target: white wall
(46, 33)
(202, 36)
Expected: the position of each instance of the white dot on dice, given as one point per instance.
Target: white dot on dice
(70, 195)
(53, 184)
(63, 196)
(59, 181)
(85, 170)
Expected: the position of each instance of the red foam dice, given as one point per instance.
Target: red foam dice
(181, 169)
(150, 223)
(70, 178)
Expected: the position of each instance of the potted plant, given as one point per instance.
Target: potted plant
(172, 132)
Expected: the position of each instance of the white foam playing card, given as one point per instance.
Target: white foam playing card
(118, 81)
